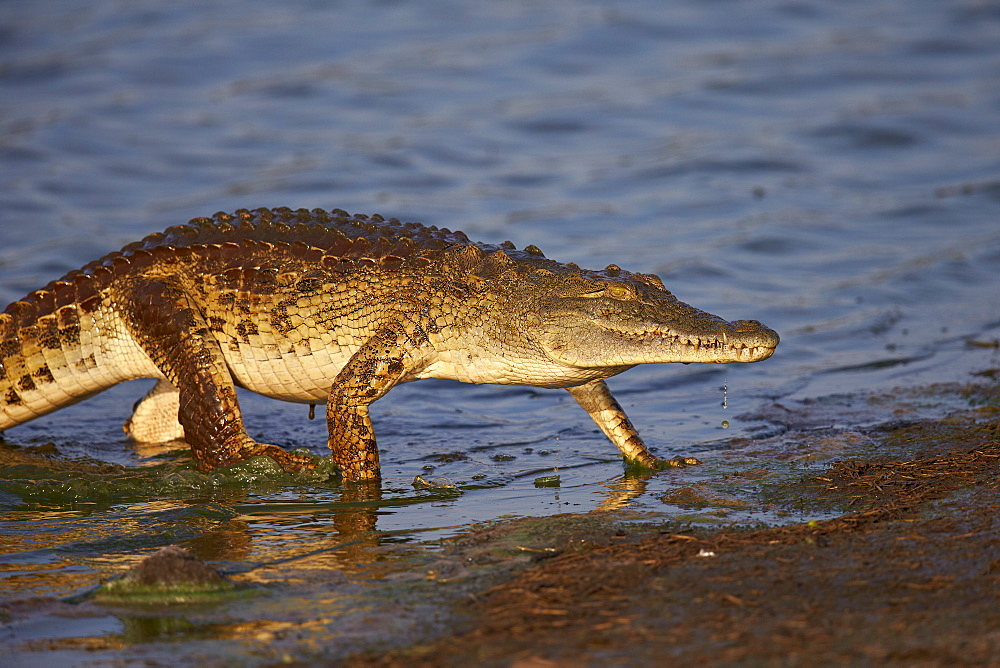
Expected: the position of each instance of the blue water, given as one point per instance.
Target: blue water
(831, 169)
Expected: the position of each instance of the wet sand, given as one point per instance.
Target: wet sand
(911, 576)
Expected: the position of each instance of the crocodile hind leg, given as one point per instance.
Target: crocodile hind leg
(154, 417)
(371, 372)
(600, 404)
(173, 333)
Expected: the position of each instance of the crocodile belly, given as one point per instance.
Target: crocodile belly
(303, 374)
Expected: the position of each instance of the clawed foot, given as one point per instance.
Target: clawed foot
(285, 459)
(654, 464)
(675, 463)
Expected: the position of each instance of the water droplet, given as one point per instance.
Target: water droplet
(725, 394)
(725, 424)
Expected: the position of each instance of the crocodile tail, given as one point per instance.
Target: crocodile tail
(40, 358)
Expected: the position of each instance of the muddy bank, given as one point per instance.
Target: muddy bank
(911, 575)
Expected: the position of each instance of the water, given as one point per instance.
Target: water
(832, 170)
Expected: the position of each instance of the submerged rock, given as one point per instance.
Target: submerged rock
(172, 575)
(172, 566)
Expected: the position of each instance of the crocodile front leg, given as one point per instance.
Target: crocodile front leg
(600, 404)
(174, 334)
(371, 372)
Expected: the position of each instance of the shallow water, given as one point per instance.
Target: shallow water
(833, 171)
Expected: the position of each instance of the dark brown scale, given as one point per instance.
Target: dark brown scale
(91, 304)
(189, 232)
(44, 300)
(306, 252)
(153, 240)
(380, 248)
(44, 374)
(230, 278)
(230, 251)
(142, 259)
(48, 333)
(69, 325)
(436, 244)
(322, 237)
(403, 248)
(245, 228)
(164, 254)
(24, 313)
(101, 274)
(263, 278)
(121, 263)
(357, 248)
(25, 383)
(249, 249)
(309, 284)
(245, 278)
(246, 329)
(391, 262)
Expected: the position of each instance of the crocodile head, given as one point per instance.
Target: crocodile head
(619, 319)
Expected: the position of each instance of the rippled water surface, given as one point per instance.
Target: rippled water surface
(831, 169)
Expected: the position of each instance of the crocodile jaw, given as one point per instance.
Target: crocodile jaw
(593, 344)
(740, 341)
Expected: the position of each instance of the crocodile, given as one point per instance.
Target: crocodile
(327, 307)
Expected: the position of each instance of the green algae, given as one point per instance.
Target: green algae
(548, 481)
(45, 478)
(119, 592)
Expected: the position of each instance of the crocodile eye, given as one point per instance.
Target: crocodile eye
(619, 291)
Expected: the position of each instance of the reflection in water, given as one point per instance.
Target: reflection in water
(78, 508)
(623, 490)
(359, 502)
